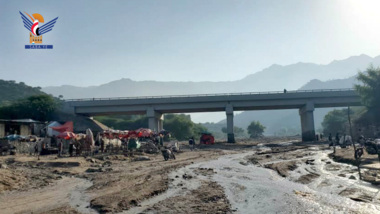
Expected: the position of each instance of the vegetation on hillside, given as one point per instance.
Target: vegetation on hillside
(36, 107)
(11, 91)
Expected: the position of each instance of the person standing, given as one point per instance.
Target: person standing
(330, 140)
(337, 137)
(161, 140)
(191, 143)
(71, 148)
(60, 147)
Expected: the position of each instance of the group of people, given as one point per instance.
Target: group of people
(343, 140)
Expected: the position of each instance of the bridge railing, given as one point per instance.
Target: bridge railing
(209, 95)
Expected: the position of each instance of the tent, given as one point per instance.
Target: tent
(50, 131)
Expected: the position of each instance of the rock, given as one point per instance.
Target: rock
(352, 177)
(141, 158)
(107, 163)
(268, 156)
(328, 162)
(90, 170)
(342, 175)
(243, 163)
(92, 160)
(186, 176)
(3, 166)
(310, 161)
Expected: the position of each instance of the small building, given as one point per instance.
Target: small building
(20, 126)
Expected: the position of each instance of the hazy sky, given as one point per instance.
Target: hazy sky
(99, 41)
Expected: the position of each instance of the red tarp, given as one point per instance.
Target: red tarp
(144, 132)
(66, 135)
(67, 127)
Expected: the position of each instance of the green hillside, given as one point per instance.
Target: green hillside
(10, 91)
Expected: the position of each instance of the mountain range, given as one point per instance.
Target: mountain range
(337, 74)
(287, 122)
(273, 78)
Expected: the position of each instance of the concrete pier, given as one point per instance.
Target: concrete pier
(230, 123)
(155, 119)
(307, 122)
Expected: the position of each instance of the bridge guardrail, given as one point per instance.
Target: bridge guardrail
(208, 95)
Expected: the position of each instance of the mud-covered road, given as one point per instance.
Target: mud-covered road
(248, 177)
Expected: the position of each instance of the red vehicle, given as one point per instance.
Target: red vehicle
(207, 138)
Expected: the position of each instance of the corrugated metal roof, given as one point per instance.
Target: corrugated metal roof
(20, 121)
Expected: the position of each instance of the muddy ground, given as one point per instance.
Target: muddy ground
(115, 183)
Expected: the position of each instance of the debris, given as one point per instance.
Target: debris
(310, 161)
(92, 160)
(149, 148)
(90, 170)
(186, 176)
(142, 158)
(107, 163)
(303, 194)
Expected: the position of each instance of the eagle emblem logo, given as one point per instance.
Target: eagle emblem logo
(32, 25)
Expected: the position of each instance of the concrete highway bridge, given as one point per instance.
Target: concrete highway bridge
(155, 106)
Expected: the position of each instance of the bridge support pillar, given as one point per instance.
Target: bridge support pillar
(230, 123)
(155, 120)
(307, 122)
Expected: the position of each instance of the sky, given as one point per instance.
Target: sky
(96, 42)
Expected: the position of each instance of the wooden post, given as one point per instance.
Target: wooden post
(349, 122)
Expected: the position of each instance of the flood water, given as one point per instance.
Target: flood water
(254, 189)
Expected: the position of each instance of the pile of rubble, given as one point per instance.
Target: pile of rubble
(149, 147)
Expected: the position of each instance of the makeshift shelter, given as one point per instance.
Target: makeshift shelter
(51, 132)
(20, 126)
(81, 123)
(67, 127)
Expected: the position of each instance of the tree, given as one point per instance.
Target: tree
(255, 129)
(336, 121)
(369, 90)
(37, 107)
(180, 126)
(237, 130)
